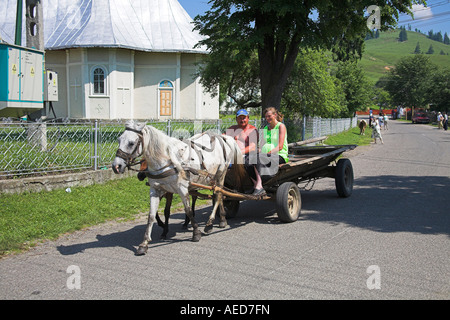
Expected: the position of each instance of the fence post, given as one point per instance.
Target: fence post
(169, 129)
(304, 128)
(37, 135)
(96, 145)
(219, 125)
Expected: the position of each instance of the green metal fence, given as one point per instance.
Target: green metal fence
(42, 148)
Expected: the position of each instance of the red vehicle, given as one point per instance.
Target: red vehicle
(420, 117)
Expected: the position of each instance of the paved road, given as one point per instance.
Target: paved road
(391, 235)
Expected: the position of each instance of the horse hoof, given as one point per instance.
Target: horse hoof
(222, 224)
(208, 229)
(141, 251)
(196, 237)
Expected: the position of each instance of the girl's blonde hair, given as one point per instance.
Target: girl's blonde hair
(278, 114)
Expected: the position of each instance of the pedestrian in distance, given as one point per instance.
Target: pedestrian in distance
(376, 131)
(445, 121)
(439, 120)
(381, 120)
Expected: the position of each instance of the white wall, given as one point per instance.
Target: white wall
(125, 70)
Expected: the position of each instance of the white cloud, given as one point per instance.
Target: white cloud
(421, 12)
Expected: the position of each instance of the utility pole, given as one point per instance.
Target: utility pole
(18, 38)
(34, 27)
(34, 24)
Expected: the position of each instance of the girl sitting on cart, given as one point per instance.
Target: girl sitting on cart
(275, 148)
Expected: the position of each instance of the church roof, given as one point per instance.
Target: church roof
(145, 25)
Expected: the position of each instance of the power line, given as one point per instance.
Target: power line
(445, 13)
(430, 23)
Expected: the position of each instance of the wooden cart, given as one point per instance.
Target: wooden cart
(306, 163)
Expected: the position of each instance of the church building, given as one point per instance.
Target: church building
(120, 59)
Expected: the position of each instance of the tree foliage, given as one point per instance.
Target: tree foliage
(277, 29)
(408, 82)
(417, 49)
(403, 36)
(355, 86)
(438, 93)
(311, 90)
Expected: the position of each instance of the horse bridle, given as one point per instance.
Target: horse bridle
(128, 157)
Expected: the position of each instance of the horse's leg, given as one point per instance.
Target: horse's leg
(197, 234)
(186, 219)
(154, 203)
(222, 213)
(209, 224)
(223, 216)
(158, 219)
(169, 197)
(218, 202)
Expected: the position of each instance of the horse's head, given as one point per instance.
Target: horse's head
(130, 147)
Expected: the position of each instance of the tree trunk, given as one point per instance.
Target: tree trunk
(275, 67)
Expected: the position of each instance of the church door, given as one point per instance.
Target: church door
(165, 102)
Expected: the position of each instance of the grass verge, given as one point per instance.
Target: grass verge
(27, 218)
(350, 136)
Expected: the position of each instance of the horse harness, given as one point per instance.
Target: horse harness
(162, 172)
(129, 160)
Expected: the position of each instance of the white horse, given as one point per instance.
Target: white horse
(173, 164)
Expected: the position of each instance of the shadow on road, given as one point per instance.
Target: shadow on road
(131, 238)
(385, 203)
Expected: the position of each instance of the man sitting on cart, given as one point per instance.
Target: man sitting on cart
(247, 138)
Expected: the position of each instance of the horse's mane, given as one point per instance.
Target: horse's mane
(155, 142)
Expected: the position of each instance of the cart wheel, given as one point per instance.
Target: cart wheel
(344, 178)
(289, 202)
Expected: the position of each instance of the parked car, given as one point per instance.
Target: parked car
(420, 117)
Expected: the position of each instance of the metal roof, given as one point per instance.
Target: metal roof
(146, 25)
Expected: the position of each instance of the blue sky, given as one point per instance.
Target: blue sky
(436, 16)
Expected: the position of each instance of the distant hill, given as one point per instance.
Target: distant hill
(383, 53)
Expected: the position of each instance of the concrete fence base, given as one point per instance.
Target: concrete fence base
(62, 181)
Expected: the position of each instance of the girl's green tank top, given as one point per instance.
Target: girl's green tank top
(272, 136)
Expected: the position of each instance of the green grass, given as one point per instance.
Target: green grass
(26, 219)
(350, 136)
(384, 52)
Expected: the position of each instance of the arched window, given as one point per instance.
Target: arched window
(98, 81)
(165, 89)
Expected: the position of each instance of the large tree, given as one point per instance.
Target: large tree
(355, 85)
(439, 90)
(408, 82)
(311, 90)
(277, 29)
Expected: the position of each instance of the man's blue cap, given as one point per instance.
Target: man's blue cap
(242, 112)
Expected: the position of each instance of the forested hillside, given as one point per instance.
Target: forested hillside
(384, 52)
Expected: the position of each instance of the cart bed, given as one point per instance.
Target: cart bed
(307, 162)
